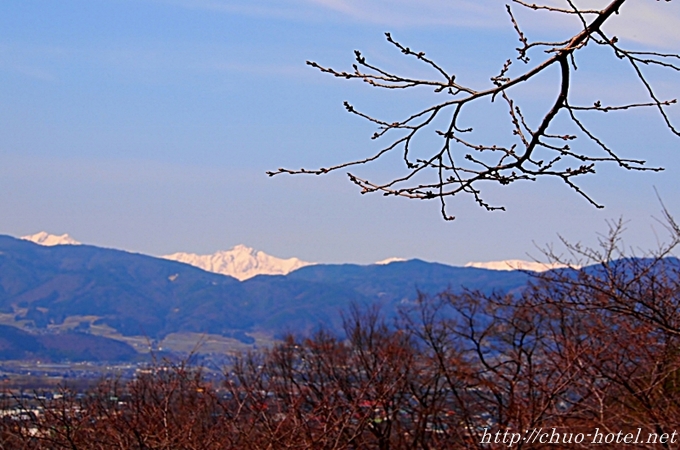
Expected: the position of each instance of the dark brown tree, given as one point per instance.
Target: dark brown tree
(538, 147)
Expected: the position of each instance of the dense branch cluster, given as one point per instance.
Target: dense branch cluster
(462, 162)
(576, 351)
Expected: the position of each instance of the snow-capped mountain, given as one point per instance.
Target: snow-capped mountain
(515, 264)
(240, 262)
(388, 261)
(44, 238)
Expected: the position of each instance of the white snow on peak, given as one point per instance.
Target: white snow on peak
(44, 238)
(515, 264)
(388, 261)
(240, 262)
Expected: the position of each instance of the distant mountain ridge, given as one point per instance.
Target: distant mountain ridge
(61, 294)
(240, 262)
(42, 287)
(515, 264)
(44, 238)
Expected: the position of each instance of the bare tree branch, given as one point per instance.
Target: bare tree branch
(460, 165)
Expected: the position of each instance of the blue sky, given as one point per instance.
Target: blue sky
(148, 126)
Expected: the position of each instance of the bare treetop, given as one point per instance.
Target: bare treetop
(460, 164)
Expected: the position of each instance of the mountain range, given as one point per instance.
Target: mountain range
(242, 262)
(44, 238)
(62, 289)
(516, 264)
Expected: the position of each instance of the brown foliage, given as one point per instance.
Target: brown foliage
(167, 407)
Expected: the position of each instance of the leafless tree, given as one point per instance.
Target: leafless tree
(169, 406)
(537, 147)
(326, 393)
(575, 351)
